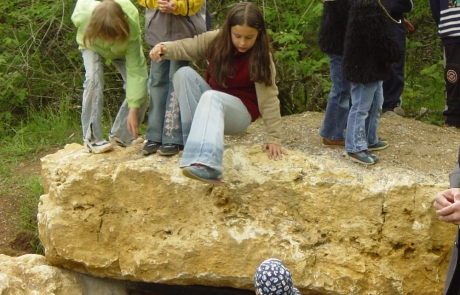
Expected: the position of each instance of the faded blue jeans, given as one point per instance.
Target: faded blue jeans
(364, 116)
(164, 124)
(93, 100)
(206, 116)
(338, 102)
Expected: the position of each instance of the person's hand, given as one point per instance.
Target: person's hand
(447, 204)
(133, 125)
(157, 51)
(408, 25)
(166, 6)
(275, 151)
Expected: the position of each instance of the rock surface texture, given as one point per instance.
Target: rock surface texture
(32, 274)
(340, 227)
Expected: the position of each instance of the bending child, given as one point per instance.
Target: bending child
(238, 88)
(110, 30)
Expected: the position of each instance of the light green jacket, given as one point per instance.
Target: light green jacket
(136, 68)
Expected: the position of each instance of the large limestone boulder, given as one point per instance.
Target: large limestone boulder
(341, 228)
(32, 274)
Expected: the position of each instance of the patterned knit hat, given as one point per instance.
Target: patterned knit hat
(273, 278)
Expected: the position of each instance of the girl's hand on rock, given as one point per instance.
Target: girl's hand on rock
(275, 151)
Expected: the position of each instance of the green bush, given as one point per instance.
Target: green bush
(37, 64)
(423, 96)
(40, 62)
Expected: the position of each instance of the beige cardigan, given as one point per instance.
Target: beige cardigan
(267, 96)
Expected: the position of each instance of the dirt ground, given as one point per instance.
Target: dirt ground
(13, 241)
(413, 145)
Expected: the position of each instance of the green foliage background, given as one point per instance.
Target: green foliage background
(40, 65)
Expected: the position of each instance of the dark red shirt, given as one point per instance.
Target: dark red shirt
(240, 85)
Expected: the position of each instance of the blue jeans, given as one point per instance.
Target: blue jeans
(93, 100)
(363, 119)
(338, 102)
(206, 116)
(164, 124)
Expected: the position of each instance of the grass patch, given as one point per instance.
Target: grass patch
(21, 144)
(32, 189)
(41, 129)
(5, 177)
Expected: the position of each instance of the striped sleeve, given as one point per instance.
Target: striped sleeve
(449, 23)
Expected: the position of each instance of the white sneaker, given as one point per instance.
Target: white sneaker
(116, 141)
(97, 147)
(138, 140)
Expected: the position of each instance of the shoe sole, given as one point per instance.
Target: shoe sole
(138, 140)
(106, 149)
(378, 148)
(189, 174)
(166, 153)
(360, 162)
(146, 153)
(333, 146)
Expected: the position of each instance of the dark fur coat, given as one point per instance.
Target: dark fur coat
(331, 35)
(370, 44)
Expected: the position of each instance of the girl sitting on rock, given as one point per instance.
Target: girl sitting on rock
(238, 88)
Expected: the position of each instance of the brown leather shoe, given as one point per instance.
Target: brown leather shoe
(330, 143)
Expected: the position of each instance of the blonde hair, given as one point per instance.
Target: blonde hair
(108, 21)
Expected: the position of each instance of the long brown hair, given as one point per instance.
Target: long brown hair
(221, 51)
(108, 21)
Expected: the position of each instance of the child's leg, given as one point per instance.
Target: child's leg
(120, 125)
(362, 96)
(172, 128)
(158, 87)
(338, 102)
(451, 72)
(188, 88)
(93, 100)
(217, 114)
(372, 122)
(394, 86)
